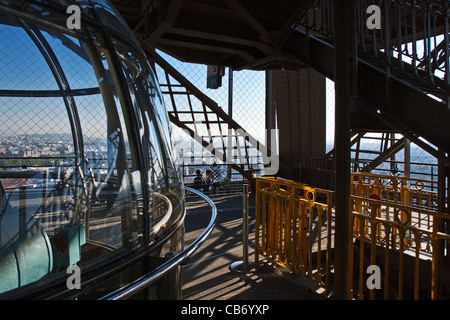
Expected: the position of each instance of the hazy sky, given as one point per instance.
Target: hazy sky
(24, 68)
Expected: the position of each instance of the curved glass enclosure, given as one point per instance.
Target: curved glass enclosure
(88, 176)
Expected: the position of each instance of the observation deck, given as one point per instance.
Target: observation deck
(339, 126)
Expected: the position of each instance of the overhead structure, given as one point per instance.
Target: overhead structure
(241, 34)
(206, 122)
(400, 68)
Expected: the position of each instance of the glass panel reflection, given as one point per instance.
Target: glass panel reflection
(66, 173)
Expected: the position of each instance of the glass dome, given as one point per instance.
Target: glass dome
(88, 175)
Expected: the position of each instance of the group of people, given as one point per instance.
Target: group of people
(205, 183)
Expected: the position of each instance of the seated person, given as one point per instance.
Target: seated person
(211, 182)
(208, 180)
(198, 180)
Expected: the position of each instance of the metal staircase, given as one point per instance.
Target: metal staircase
(400, 71)
(207, 123)
(401, 77)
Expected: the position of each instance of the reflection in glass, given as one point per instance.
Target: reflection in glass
(66, 189)
(87, 172)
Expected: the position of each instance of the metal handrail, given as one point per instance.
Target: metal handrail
(397, 234)
(136, 286)
(287, 215)
(414, 38)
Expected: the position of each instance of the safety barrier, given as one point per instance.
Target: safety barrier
(402, 190)
(294, 229)
(395, 227)
(405, 200)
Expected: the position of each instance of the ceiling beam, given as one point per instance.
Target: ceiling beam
(167, 22)
(252, 22)
(188, 44)
(288, 27)
(264, 48)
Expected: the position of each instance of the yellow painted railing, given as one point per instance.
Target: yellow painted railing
(394, 226)
(293, 227)
(405, 200)
(406, 191)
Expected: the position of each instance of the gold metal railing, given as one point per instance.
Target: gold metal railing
(406, 191)
(402, 198)
(293, 228)
(393, 226)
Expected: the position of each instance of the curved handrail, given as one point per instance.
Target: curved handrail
(166, 216)
(149, 278)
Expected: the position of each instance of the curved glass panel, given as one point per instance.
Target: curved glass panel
(22, 73)
(111, 18)
(163, 179)
(161, 117)
(70, 183)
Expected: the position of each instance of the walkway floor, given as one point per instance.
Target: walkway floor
(207, 275)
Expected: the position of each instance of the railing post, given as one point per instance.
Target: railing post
(245, 226)
(244, 266)
(343, 32)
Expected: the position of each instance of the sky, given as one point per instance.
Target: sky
(24, 68)
(21, 62)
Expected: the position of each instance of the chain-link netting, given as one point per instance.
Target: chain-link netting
(248, 109)
(205, 135)
(370, 145)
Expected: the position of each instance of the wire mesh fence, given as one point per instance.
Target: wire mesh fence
(419, 163)
(246, 104)
(204, 134)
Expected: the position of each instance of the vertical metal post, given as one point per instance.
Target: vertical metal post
(170, 285)
(230, 113)
(270, 112)
(438, 223)
(230, 92)
(244, 266)
(342, 14)
(23, 212)
(245, 226)
(2, 193)
(446, 10)
(407, 158)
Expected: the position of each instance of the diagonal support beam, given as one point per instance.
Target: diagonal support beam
(192, 88)
(208, 145)
(209, 106)
(168, 21)
(252, 22)
(396, 147)
(398, 127)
